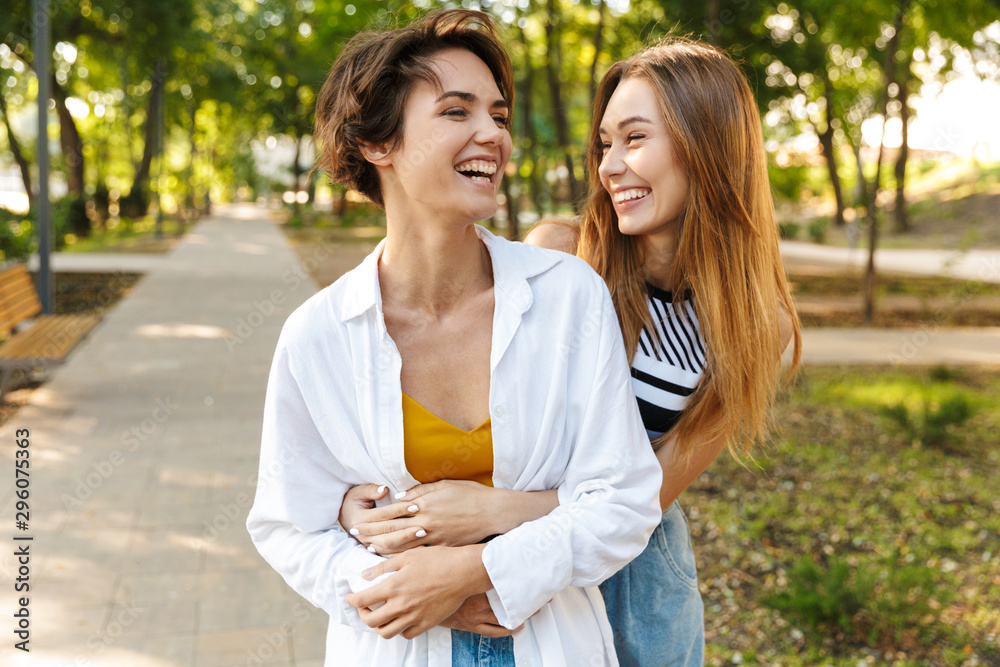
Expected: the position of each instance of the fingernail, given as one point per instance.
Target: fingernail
(366, 573)
(371, 548)
(400, 495)
(381, 489)
(355, 531)
(421, 533)
(412, 508)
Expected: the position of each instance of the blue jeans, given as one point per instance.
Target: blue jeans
(653, 603)
(471, 650)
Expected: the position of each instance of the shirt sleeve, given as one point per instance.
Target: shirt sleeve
(609, 496)
(300, 487)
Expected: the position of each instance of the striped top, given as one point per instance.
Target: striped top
(668, 363)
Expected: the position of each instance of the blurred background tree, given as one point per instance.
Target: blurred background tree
(231, 85)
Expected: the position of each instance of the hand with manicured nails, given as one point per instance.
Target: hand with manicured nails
(443, 513)
(429, 586)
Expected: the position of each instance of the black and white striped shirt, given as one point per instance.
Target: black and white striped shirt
(668, 363)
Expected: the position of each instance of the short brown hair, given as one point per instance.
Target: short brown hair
(367, 88)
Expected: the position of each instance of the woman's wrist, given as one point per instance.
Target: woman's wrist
(477, 579)
(517, 507)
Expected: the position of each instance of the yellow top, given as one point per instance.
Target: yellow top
(434, 449)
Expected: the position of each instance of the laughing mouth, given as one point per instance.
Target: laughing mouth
(630, 195)
(481, 171)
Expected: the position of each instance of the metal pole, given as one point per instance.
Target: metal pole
(40, 19)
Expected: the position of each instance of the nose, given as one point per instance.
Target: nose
(488, 133)
(611, 164)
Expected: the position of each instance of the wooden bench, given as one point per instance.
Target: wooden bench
(47, 341)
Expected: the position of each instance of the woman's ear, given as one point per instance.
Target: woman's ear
(377, 154)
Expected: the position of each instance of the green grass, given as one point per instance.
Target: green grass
(123, 236)
(853, 538)
(891, 284)
(951, 204)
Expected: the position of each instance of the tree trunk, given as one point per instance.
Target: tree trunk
(900, 214)
(340, 209)
(69, 139)
(528, 130)
(552, 69)
(712, 21)
(513, 232)
(830, 153)
(598, 46)
(152, 122)
(871, 218)
(15, 149)
(872, 203)
(189, 199)
(296, 174)
(861, 188)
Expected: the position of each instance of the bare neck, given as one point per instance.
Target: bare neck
(658, 252)
(434, 269)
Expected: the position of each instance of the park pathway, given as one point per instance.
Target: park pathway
(143, 452)
(143, 456)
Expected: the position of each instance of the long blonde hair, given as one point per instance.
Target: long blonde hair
(727, 251)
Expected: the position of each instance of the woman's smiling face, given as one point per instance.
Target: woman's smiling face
(639, 168)
(455, 142)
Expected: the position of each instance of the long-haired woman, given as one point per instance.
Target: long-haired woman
(680, 225)
(413, 367)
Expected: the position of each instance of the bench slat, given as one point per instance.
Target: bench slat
(51, 338)
(18, 299)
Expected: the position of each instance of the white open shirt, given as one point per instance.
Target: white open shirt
(563, 417)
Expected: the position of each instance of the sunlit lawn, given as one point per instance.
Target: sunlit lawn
(870, 530)
(138, 236)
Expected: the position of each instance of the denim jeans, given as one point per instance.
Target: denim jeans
(653, 603)
(471, 650)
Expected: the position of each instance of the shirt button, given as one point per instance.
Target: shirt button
(498, 411)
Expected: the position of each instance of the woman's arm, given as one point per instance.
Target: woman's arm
(296, 532)
(445, 513)
(680, 472)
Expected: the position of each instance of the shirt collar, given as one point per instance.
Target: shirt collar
(512, 267)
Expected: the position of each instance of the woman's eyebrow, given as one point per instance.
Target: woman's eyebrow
(470, 98)
(628, 121)
(634, 119)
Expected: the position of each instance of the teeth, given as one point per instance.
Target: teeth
(626, 195)
(479, 166)
(481, 179)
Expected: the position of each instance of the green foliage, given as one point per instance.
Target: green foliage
(876, 600)
(16, 236)
(788, 230)
(817, 230)
(787, 182)
(69, 216)
(250, 71)
(910, 532)
(934, 423)
(819, 595)
(135, 204)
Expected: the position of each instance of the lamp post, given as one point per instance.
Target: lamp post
(43, 53)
